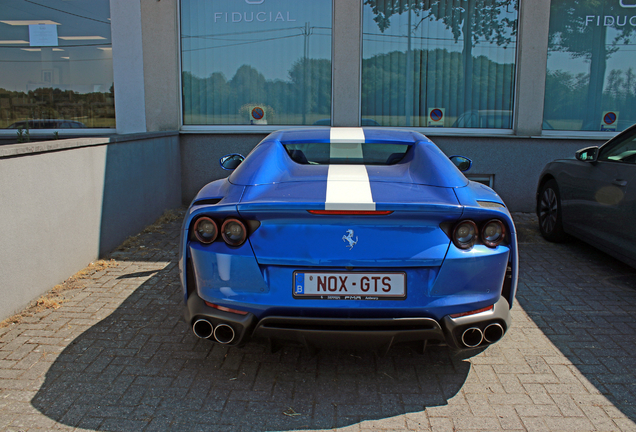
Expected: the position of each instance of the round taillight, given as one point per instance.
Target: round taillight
(465, 234)
(205, 230)
(233, 232)
(493, 233)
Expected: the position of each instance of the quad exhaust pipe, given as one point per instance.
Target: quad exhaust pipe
(493, 332)
(203, 328)
(222, 333)
(472, 337)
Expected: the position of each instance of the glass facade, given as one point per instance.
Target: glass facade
(57, 68)
(442, 63)
(591, 76)
(256, 62)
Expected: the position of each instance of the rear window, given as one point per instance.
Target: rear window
(346, 153)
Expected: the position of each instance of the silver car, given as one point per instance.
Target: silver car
(593, 197)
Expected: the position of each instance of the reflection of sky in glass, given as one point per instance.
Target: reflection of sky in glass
(221, 36)
(430, 34)
(77, 63)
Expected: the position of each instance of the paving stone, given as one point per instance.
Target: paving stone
(117, 356)
(442, 425)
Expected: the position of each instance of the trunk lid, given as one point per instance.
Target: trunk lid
(290, 235)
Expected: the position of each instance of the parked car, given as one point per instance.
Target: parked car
(593, 197)
(48, 124)
(348, 237)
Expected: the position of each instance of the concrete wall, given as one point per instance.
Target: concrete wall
(515, 162)
(200, 154)
(64, 203)
(146, 65)
(347, 55)
(128, 66)
(159, 26)
(532, 60)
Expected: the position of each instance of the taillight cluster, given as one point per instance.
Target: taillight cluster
(465, 234)
(233, 231)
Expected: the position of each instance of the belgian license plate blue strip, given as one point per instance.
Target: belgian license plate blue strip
(350, 285)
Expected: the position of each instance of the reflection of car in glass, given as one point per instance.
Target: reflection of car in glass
(363, 122)
(593, 197)
(48, 124)
(619, 126)
(491, 119)
(348, 236)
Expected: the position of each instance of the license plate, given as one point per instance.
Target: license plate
(350, 286)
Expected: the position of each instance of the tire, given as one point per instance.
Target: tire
(549, 213)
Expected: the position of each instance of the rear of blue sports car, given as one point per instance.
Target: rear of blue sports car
(348, 237)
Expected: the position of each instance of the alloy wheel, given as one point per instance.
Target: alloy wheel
(548, 210)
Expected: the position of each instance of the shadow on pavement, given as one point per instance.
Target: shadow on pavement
(141, 368)
(584, 301)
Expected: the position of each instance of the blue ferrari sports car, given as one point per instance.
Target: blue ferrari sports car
(349, 237)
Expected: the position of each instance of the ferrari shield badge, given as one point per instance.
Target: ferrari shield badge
(349, 239)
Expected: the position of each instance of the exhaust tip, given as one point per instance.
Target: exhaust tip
(472, 337)
(224, 334)
(202, 328)
(493, 333)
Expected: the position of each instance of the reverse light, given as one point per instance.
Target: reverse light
(465, 234)
(463, 314)
(205, 230)
(226, 309)
(233, 232)
(493, 233)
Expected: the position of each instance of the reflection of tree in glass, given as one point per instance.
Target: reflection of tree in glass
(579, 27)
(215, 100)
(384, 85)
(318, 85)
(476, 20)
(95, 109)
(567, 93)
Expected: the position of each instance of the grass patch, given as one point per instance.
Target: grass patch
(58, 294)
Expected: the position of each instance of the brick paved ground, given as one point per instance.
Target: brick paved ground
(117, 356)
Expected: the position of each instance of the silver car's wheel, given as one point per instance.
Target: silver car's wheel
(549, 212)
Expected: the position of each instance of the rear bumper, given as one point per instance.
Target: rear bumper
(347, 332)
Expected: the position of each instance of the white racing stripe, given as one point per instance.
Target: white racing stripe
(348, 188)
(346, 143)
(346, 135)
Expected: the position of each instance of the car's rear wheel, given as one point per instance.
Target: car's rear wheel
(550, 219)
